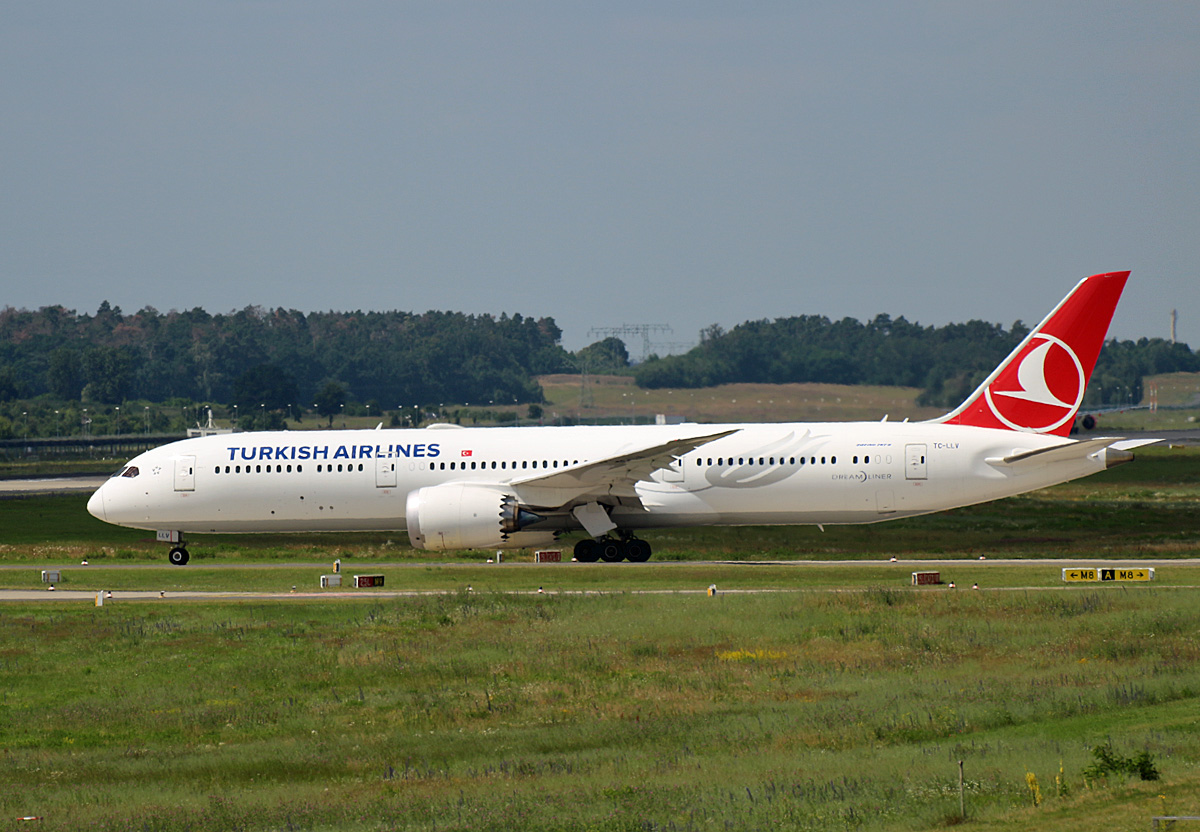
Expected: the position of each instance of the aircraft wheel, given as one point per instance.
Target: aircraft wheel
(637, 550)
(179, 556)
(611, 551)
(587, 551)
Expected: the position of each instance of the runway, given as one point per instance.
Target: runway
(51, 485)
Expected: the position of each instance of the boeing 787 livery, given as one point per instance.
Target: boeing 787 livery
(472, 488)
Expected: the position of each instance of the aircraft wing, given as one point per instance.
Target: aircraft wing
(610, 480)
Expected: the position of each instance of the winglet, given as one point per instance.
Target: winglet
(1039, 387)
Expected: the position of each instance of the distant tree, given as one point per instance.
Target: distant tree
(107, 372)
(330, 400)
(9, 386)
(262, 390)
(65, 374)
(607, 356)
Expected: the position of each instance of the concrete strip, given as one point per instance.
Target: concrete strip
(51, 485)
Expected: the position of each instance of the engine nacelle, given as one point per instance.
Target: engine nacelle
(466, 516)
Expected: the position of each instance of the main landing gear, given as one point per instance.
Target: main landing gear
(612, 550)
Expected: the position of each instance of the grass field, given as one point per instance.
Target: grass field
(615, 711)
(617, 398)
(842, 699)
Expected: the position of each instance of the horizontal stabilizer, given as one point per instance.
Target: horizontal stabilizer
(1130, 444)
(1114, 449)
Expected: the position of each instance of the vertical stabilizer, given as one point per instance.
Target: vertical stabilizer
(1039, 387)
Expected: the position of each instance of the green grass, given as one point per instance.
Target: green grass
(575, 578)
(844, 701)
(484, 710)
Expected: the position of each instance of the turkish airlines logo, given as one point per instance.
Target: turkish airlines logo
(1047, 390)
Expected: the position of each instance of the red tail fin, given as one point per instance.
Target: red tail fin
(1040, 386)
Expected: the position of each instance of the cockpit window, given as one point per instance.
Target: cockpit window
(130, 471)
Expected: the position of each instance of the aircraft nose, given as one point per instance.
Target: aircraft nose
(95, 505)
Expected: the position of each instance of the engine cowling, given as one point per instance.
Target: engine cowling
(466, 516)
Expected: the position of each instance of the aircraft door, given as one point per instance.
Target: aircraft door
(915, 466)
(185, 473)
(385, 472)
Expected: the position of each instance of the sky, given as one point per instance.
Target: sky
(604, 164)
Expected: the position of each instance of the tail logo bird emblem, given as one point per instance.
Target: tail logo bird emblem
(1047, 389)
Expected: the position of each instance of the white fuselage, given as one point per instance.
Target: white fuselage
(773, 473)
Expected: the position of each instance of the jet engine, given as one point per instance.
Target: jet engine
(468, 516)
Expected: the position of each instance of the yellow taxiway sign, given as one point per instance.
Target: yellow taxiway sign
(1108, 574)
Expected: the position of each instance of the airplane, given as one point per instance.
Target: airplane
(455, 488)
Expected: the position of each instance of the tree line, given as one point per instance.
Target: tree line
(946, 362)
(267, 364)
(397, 358)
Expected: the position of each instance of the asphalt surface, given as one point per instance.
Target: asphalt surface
(51, 485)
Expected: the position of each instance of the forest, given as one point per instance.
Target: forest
(946, 362)
(270, 363)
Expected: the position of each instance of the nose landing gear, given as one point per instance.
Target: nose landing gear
(179, 554)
